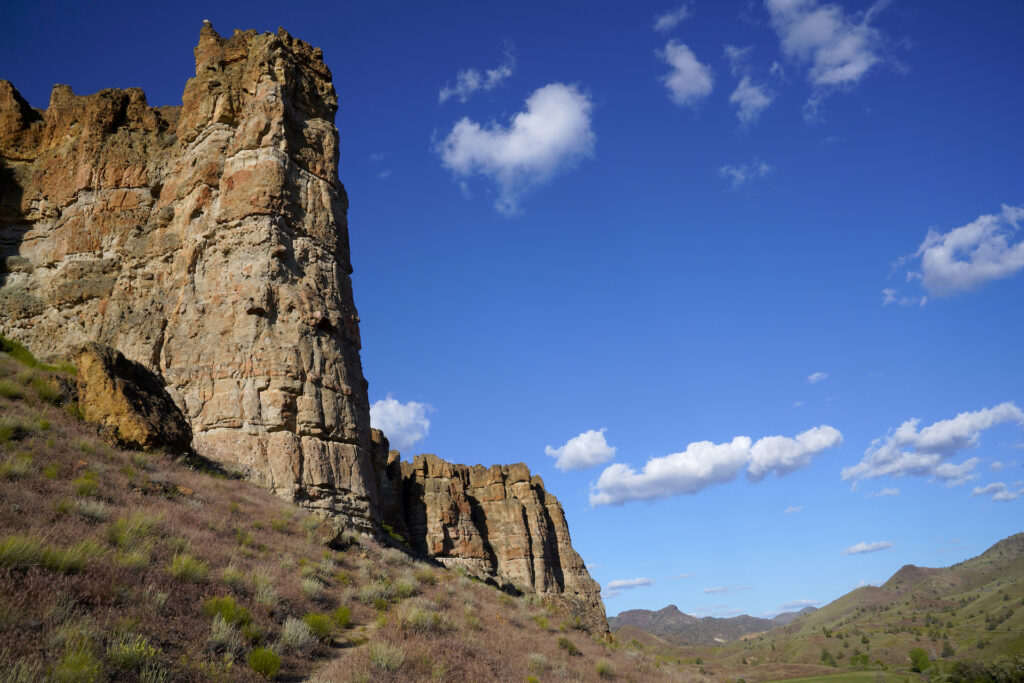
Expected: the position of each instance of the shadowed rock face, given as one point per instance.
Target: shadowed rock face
(209, 243)
(498, 523)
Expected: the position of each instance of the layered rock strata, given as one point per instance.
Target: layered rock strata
(209, 243)
(499, 523)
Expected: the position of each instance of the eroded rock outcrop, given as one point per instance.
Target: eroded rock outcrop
(497, 522)
(208, 242)
(128, 401)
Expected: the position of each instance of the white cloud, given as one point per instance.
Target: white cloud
(999, 492)
(741, 174)
(861, 548)
(704, 464)
(798, 404)
(798, 605)
(963, 259)
(689, 81)
(403, 423)
(884, 493)
(625, 584)
(997, 465)
(782, 455)
(840, 49)
(907, 451)
(816, 377)
(718, 589)
(792, 508)
(682, 576)
(727, 590)
(583, 451)
(669, 20)
(750, 99)
(891, 296)
(469, 81)
(552, 132)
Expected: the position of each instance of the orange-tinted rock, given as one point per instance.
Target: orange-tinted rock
(499, 523)
(208, 242)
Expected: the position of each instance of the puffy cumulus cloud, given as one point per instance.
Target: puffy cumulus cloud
(741, 174)
(988, 248)
(909, 451)
(816, 377)
(403, 423)
(582, 451)
(669, 20)
(552, 132)
(704, 464)
(999, 492)
(469, 81)
(862, 548)
(750, 99)
(689, 81)
(781, 454)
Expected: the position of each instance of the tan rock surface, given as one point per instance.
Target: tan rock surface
(128, 399)
(500, 523)
(208, 242)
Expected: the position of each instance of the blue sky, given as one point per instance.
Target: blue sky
(691, 226)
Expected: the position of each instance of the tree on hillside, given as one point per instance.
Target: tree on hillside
(919, 660)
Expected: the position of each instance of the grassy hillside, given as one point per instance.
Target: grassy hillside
(119, 565)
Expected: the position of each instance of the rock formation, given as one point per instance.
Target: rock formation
(208, 243)
(128, 401)
(497, 522)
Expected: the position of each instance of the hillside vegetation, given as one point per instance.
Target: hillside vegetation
(122, 565)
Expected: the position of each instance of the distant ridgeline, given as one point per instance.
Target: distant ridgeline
(209, 244)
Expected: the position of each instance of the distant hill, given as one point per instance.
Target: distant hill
(787, 618)
(971, 610)
(678, 628)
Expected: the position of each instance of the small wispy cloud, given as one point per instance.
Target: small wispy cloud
(689, 82)
(999, 491)
(741, 174)
(862, 548)
(792, 508)
(727, 590)
(798, 605)
(469, 81)
(626, 584)
(816, 377)
(682, 576)
(884, 492)
(750, 97)
(669, 20)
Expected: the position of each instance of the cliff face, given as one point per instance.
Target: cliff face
(208, 242)
(497, 522)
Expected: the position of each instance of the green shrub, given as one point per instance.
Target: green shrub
(9, 389)
(386, 657)
(568, 646)
(86, 485)
(22, 552)
(51, 471)
(77, 665)
(319, 624)
(426, 576)
(919, 660)
(374, 593)
(14, 429)
(131, 652)
(311, 588)
(129, 530)
(22, 355)
(604, 669)
(405, 586)
(232, 577)
(136, 557)
(264, 661)
(253, 633)
(94, 510)
(297, 636)
(224, 637)
(266, 594)
(390, 531)
(184, 566)
(228, 609)
(278, 524)
(423, 620)
(46, 390)
(537, 662)
(541, 620)
(16, 467)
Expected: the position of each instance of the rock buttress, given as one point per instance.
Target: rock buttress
(501, 524)
(208, 242)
